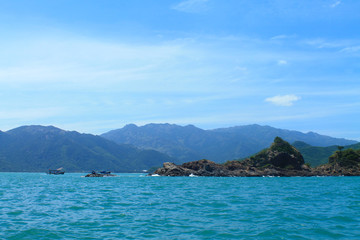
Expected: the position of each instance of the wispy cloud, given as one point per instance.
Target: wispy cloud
(284, 100)
(79, 61)
(352, 49)
(204, 77)
(30, 114)
(282, 62)
(191, 6)
(344, 45)
(282, 37)
(335, 4)
(322, 43)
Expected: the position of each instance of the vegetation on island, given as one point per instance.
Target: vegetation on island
(341, 163)
(316, 156)
(279, 154)
(345, 158)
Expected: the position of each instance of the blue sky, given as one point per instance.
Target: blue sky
(94, 66)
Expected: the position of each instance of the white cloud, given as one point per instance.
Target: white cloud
(335, 4)
(282, 62)
(323, 43)
(191, 6)
(241, 69)
(88, 62)
(282, 37)
(284, 100)
(351, 49)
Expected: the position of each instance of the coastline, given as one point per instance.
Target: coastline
(211, 169)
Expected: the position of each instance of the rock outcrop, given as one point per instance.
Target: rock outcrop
(281, 159)
(231, 169)
(96, 174)
(341, 163)
(336, 170)
(170, 169)
(200, 168)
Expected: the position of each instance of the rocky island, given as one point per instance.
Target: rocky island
(100, 174)
(280, 159)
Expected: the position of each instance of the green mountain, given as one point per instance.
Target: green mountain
(190, 143)
(39, 148)
(316, 156)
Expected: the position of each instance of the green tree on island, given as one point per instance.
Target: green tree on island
(345, 158)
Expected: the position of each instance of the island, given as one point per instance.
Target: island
(100, 174)
(280, 159)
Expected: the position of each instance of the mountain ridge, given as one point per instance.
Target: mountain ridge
(190, 143)
(37, 148)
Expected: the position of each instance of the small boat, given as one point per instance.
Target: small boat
(58, 171)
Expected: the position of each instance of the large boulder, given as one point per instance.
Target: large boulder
(171, 169)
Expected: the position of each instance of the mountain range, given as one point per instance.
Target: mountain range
(133, 148)
(39, 148)
(189, 143)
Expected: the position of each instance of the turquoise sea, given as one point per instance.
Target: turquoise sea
(133, 206)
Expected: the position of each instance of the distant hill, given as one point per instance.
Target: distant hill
(319, 155)
(189, 143)
(39, 148)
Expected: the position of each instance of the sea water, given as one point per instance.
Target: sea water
(133, 206)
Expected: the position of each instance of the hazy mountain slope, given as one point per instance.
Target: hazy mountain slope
(319, 155)
(177, 141)
(190, 143)
(265, 134)
(38, 148)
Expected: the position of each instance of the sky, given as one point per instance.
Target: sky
(94, 66)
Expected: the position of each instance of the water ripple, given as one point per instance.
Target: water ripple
(38, 206)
